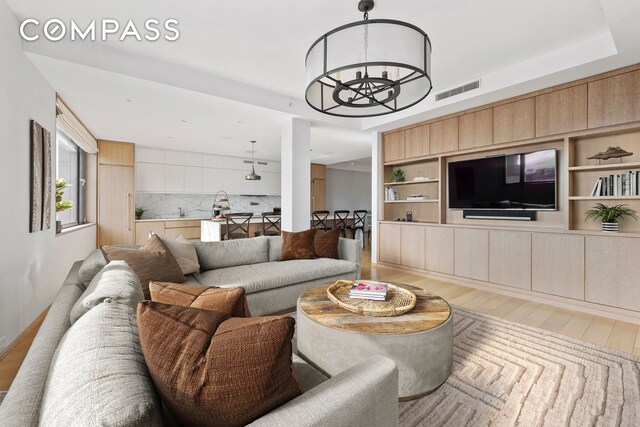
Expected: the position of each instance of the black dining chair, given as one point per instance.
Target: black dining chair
(238, 225)
(270, 224)
(340, 218)
(359, 223)
(319, 220)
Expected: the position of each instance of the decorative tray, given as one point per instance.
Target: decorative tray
(399, 300)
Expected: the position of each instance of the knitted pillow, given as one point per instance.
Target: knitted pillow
(297, 245)
(231, 301)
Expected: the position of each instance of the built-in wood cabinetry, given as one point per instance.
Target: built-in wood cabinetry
(510, 258)
(394, 146)
(514, 121)
(561, 111)
(116, 204)
(614, 100)
(476, 129)
(189, 228)
(443, 136)
(318, 187)
(391, 235)
(558, 265)
(412, 246)
(417, 142)
(439, 243)
(471, 249)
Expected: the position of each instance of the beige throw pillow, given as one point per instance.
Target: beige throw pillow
(184, 252)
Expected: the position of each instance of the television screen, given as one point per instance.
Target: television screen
(514, 181)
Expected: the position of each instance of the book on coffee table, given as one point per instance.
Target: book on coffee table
(368, 290)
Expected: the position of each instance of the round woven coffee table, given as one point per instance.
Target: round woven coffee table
(420, 341)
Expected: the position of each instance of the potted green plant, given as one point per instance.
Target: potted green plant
(61, 205)
(611, 216)
(398, 175)
(140, 212)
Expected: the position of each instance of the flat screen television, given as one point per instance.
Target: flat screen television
(513, 181)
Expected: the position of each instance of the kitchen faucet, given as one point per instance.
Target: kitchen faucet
(181, 212)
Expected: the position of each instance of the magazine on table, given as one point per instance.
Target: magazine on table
(369, 290)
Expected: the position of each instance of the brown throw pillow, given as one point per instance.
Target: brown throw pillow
(213, 370)
(297, 245)
(153, 261)
(325, 244)
(231, 301)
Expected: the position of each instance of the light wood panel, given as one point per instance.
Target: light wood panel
(91, 187)
(412, 246)
(476, 129)
(558, 265)
(389, 251)
(417, 142)
(394, 146)
(614, 100)
(561, 111)
(144, 228)
(116, 206)
(318, 171)
(472, 253)
(439, 253)
(514, 121)
(510, 258)
(443, 136)
(116, 153)
(190, 233)
(422, 212)
(613, 272)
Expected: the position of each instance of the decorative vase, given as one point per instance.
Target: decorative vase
(611, 227)
(58, 227)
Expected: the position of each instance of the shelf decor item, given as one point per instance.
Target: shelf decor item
(398, 175)
(61, 205)
(368, 68)
(140, 212)
(399, 300)
(611, 153)
(610, 216)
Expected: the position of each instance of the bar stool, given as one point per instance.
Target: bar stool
(238, 225)
(319, 220)
(340, 221)
(270, 224)
(359, 223)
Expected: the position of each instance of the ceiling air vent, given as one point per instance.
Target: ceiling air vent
(458, 90)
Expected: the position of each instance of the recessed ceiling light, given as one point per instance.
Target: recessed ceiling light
(240, 121)
(129, 100)
(170, 137)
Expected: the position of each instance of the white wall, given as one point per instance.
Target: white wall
(32, 266)
(348, 190)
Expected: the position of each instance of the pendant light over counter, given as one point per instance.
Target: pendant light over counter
(253, 176)
(368, 68)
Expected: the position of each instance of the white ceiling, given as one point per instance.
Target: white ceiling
(244, 61)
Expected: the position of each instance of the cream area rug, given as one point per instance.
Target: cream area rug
(507, 374)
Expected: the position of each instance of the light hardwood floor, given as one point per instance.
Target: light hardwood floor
(610, 333)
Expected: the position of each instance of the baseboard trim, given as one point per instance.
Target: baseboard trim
(29, 329)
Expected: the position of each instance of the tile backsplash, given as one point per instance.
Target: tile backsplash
(164, 205)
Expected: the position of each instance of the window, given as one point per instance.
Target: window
(70, 166)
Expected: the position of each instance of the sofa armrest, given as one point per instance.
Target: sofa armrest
(364, 395)
(349, 250)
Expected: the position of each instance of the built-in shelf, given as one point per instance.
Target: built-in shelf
(412, 201)
(604, 198)
(421, 181)
(613, 166)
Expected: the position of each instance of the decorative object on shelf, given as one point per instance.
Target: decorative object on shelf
(253, 176)
(347, 77)
(409, 216)
(140, 212)
(398, 175)
(220, 204)
(392, 194)
(399, 300)
(40, 185)
(611, 153)
(61, 205)
(610, 216)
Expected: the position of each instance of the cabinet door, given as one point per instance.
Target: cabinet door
(443, 136)
(192, 179)
(174, 179)
(613, 272)
(318, 194)
(193, 159)
(209, 161)
(439, 249)
(149, 155)
(417, 141)
(318, 171)
(116, 153)
(412, 246)
(561, 111)
(270, 183)
(233, 181)
(394, 146)
(476, 129)
(174, 157)
(212, 180)
(149, 177)
(514, 121)
(144, 228)
(558, 265)
(472, 254)
(614, 100)
(116, 207)
(389, 244)
(510, 258)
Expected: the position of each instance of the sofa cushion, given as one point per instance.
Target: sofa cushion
(115, 281)
(275, 248)
(213, 255)
(98, 375)
(91, 266)
(308, 376)
(153, 261)
(229, 301)
(297, 245)
(184, 252)
(269, 275)
(214, 370)
(325, 243)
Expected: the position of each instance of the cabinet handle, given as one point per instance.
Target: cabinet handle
(129, 211)
(313, 203)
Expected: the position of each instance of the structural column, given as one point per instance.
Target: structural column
(377, 199)
(296, 174)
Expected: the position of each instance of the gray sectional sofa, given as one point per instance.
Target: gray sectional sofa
(364, 395)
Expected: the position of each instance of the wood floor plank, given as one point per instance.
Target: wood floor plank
(523, 311)
(636, 347)
(623, 336)
(492, 303)
(539, 315)
(599, 330)
(506, 307)
(577, 325)
(557, 320)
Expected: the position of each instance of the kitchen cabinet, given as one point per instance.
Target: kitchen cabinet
(443, 136)
(149, 177)
(514, 121)
(174, 179)
(189, 228)
(394, 146)
(149, 155)
(476, 129)
(212, 181)
(174, 158)
(417, 141)
(614, 100)
(318, 187)
(561, 111)
(193, 179)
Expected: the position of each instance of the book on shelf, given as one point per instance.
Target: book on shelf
(368, 290)
(620, 185)
(417, 197)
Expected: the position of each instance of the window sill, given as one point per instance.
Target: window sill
(69, 230)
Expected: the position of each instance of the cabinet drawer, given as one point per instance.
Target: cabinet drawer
(183, 223)
(187, 232)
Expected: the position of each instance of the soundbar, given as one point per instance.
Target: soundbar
(499, 214)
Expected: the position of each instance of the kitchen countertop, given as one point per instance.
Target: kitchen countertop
(172, 219)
